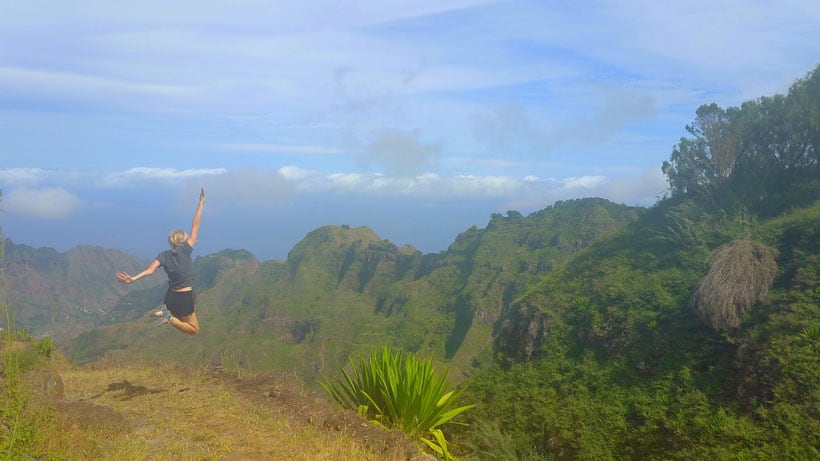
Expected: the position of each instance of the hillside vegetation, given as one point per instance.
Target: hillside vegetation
(693, 332)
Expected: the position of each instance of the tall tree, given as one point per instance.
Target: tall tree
(702, 165)
(760, 155)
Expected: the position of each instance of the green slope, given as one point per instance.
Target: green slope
(344, 289)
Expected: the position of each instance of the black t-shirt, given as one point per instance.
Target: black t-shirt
(179, 266)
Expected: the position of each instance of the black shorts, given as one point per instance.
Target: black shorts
(180, 303)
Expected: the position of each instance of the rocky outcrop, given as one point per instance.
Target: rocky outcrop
(524, 331)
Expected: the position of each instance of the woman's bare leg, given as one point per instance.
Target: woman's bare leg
(188, 324)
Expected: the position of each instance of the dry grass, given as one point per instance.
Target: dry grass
(740, 275)
(142, 412)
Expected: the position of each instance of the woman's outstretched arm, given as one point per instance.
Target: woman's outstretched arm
(197, 216)
(125, 278)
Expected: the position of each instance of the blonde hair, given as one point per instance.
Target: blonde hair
(177, 237)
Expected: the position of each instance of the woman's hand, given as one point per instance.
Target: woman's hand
(124, 278)
(202, 196)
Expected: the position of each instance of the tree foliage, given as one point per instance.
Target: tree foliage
(761, 155)
(702, 165)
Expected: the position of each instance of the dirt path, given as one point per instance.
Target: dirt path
(165, 412)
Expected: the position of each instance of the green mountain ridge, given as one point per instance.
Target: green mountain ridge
(344, 289)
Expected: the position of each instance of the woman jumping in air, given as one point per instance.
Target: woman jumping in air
(178, 264)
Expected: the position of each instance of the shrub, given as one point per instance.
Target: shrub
(395, 391)
(739, 277)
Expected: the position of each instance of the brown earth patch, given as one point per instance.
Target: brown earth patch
(287, 392)
(87, 415)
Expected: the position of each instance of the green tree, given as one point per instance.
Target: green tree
(702, 165)
(758, 156)
(780, 164)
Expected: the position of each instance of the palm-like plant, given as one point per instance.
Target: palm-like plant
(394, 391)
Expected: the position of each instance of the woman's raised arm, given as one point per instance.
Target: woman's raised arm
(197, 216)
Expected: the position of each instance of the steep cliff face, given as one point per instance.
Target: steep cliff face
(488, 270)
(524, 330)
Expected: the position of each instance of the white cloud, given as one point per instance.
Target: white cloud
(294, 173)
(272, 187)
(644, 190)
(585, 182)
(48, 203)
(23, 176)
(136, 176)
(422, 185)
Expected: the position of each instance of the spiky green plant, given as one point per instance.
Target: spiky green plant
(811, 333)
(394, 391)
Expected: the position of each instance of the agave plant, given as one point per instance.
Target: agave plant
(394, 391)
(811, 333)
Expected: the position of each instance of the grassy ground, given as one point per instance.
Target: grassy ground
(151, 411)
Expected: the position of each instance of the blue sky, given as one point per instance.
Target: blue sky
(418, 119)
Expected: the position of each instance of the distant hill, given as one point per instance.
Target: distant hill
(65, 293)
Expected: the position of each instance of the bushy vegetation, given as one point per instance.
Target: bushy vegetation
(739, 278)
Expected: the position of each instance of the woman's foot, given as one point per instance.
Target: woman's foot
(163, 320)
(158, 311)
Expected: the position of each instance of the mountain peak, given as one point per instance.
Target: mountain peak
(330, 239)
